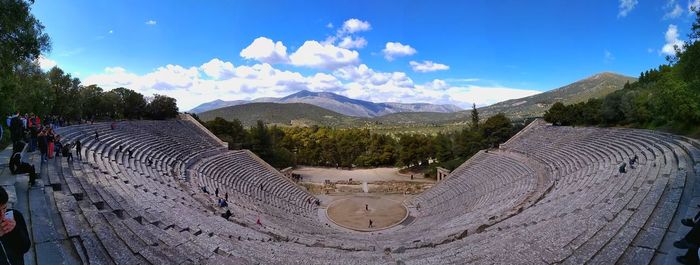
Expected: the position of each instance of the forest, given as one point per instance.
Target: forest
(358, 147)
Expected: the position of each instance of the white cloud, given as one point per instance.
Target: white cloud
(673, 10)
(349, 43)
(427, 66)
(396, 49)
(218, 79)
(672, 41)
(329, 25)
(626, 7)
(323, 56)
(693, 6)
(265, 50)
(462, 80)
(172, 77)
(151, 22)
(187, 85)
(46, 63)
(608, 56)
(218, 69)
(355, 25)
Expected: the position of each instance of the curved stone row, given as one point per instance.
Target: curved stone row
(549, 195)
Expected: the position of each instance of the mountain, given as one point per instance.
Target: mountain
(300, 114)
(338, 103)
(216, 104)
(303, 113)
(596, 86)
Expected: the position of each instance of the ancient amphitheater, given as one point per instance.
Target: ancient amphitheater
(548, 195)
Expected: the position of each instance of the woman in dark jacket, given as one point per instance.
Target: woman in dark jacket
(14, 238)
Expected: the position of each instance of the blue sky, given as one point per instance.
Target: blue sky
(427, 51)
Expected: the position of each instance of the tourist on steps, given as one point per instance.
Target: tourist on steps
(78, 147)
(14, 238)
(227, 214)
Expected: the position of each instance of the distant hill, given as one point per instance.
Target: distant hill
(216, 104)
(596, 86)
(338, 103)
(300, 114)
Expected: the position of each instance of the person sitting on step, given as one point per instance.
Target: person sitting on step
(227, 214)
(19, 166)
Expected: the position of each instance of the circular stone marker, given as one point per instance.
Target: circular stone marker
(350, 213)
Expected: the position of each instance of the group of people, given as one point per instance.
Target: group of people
(297, 177)
(315, 201)
(221, 202)
(28, 133)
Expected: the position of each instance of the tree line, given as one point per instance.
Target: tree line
(667, 97)
(55, 93)
(359, 147)
(26, 88)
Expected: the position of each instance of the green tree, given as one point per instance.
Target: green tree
(162, 107)
(443, 147)
(132, 104)
(475, 117)
(558, 114)
(91, 101)
(22, 40)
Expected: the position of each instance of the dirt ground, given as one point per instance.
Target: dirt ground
(320, 174)
(350, 212)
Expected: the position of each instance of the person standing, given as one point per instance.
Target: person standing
(43, 144)
(33, 132)
(14, 238)
(78, 147)
(50, 138)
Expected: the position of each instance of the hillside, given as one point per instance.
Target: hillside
(337, 103)
(596, 86)
(283, 114)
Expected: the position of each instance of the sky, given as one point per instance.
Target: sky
(442, 52)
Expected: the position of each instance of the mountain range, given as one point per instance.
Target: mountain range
(334, 102)
(323, 108)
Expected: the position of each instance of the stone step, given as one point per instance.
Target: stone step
(50, 245)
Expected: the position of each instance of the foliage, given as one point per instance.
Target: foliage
(359, 147)
(161, 107)
(475, 117)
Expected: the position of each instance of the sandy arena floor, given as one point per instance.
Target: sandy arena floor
(319, 174)
(351, 213)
